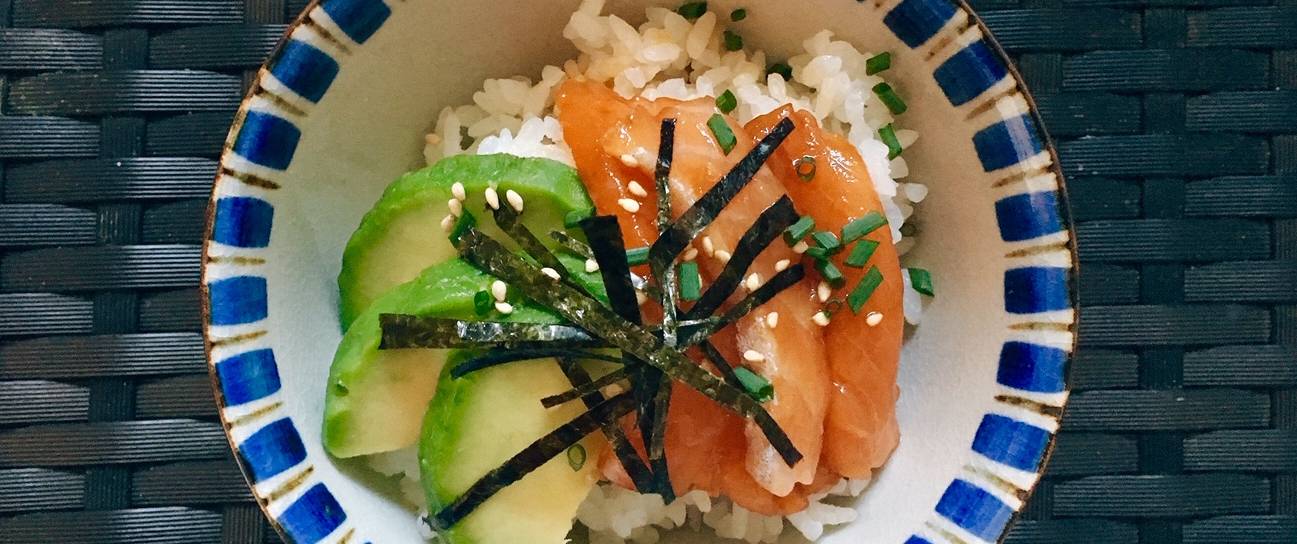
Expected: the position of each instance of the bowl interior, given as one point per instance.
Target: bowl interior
(368, 129)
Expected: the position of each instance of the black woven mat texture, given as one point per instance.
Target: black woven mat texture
(1176, 121)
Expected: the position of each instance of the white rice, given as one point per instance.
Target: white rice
(670, 56)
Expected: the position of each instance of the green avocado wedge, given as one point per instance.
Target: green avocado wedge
(479, 421)
(375, 398)
(401, 235)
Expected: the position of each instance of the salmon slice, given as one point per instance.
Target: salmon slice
(861, 429)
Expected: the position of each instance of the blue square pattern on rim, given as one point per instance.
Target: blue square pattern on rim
(312, 516)
(272, 450)
(306, 70)
(1028, 215)
(243, 221)
(1011, 442)
(267, 140)
(917, 21)
(359, 19)
(248, 377)
(237, 300)
(970, 72)
(1036, 289)
(1031, 367)
(1007, 143)
(975, 510)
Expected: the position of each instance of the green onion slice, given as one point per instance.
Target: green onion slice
(858, 228)
(921, 281)
(781, 68)
(805, 167)
(830, 273)
(888, 135)
(692, 10)
(637, 256)
(861, 253)
(760, 388)
(873, 278)
(726, 102)
(887, 95)
(483, 303)
(827, 240)
(691, 283)
(733, 41)
(799, 230)
(721, 130)
(878, 63)
(738, 15)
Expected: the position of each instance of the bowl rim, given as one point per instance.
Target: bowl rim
(1063, 204)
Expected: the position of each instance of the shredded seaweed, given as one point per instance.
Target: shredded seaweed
(580, 248)
(532, 457)
(621, 446)
(585, 389)
(412, 331)
(653, 415)
(783, 280)
(508, 220)
(768, 226)
(496, 357)
(718, 360)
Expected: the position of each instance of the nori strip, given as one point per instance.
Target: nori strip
(578, 247)
(783, 280)
(718, 360)
(630, 459)
(588, 314)
(410, 331)
(532, 457)
(498, 357)
(653, 415)
(768, 226)
(585, 389)
(681, 231)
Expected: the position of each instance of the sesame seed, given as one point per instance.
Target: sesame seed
(824, 291)
(690, 254)
(772, 319)
(504, 307)
(723, 256)
(821, 319)
(782, 265)
(628, 204)
(753, 282)
(514, 199)
(448, 223)
(640, 298)
(499, 290)
(873, 319)
(457, 189)
(613, 389)
(708, 246)
(456, 207)
(629, 160)
(492, 198)
(801, 247)
(753, 356)
(549, 272)
(591, 266)
(636, 189)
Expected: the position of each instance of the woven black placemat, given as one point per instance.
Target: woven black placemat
(1176, 122)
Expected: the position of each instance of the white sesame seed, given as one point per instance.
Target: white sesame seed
(499, 290)
(636, 189)
(723, 256)
(448, 223)
(514, 199)
(708, 246)
(753, 282)
(456, 207)
(613, 389)
(628, 204)
(690, 254)
(504, 307)
(821, 319)
(640, 297)
(591, 266)
(801, 247)
(492, 198)
(824, 291)
(772, 319)
(873, 319)
(457, 189)
(629, 160)
(782, 265)
(753, 356)
(549, 272)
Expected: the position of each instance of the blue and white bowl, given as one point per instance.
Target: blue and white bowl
(340, 110)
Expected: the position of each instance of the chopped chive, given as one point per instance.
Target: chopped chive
(873, 278)
(726, 102)
(733, 41)
(799, 230)
(465, 223)
(888, 135)
(573, 218)
(721, 130)
(887, 95)
(805, 167)
(830, 273)
(858, 228)
(861, 253)
(759, 388)
(483, 303)
(692, 10)
(921, 281)
(691, 284)
(637, 256)
(818, 253)
(781, 68)
(738, 15)
(576, 456)
(878, 63)
(827, 240)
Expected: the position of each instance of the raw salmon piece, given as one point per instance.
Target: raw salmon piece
(790, 355)
(861, 429)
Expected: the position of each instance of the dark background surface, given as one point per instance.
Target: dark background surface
(1176, 122)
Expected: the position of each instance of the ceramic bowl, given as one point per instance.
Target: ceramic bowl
(340, 110)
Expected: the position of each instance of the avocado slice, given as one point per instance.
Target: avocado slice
(375, 398)
(479, 421)
(401, 235)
